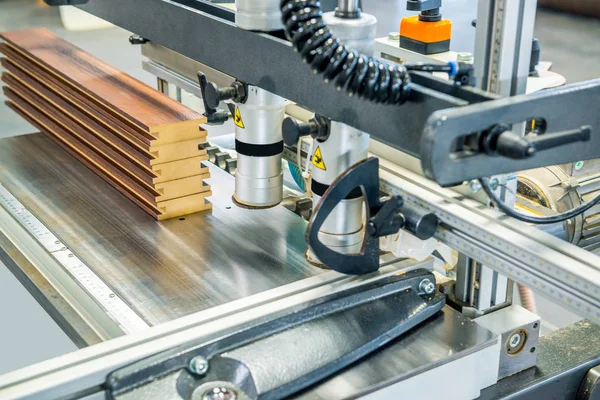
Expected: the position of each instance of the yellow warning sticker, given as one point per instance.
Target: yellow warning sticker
(317, 160)
(237, 119)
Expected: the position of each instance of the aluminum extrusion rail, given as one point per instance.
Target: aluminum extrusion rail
(552, 267)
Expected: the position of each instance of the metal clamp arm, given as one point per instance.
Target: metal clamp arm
(384, 217)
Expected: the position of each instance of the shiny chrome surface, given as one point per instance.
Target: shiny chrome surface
(343, 228)
(258, 15)
(358, 34)
(443, 339)
(259, 180)
(163, 270)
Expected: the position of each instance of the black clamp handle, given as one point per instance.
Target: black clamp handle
(384, 217)
(214, 95)
(499, 140)
(292, 129)
(213, 115)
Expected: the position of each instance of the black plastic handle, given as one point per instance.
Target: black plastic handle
(553, 140)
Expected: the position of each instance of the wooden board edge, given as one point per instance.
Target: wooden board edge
(184, 206)
(177, 132)
(177, 151)
(180, 169)
(96, 166)
(84, 139)
(183, 187)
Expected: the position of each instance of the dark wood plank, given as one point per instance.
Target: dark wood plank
(118, 91)
(130, 154)
(44, 128)
(89, 158)
(86, 140)
(133, 135)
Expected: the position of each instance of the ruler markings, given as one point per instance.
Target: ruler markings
(115, 307)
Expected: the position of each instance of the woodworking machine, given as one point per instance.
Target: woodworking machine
(375, 202)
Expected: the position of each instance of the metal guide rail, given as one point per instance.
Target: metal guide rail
(554, 268)
(113, 305)
(85, 371)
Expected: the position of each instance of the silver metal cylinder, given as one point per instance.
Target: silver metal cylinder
(347, 6)
(259, 179)
(258, 15)
(343, 229)
(358, 34)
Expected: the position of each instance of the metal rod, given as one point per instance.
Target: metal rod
(348, 6)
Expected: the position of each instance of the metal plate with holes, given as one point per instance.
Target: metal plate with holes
(162, 271)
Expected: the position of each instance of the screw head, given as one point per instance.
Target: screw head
(198, 365)
(427, 286)
(474, 185)
(220, 393)
(515, 340)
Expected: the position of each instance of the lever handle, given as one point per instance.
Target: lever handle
(214, 95)
(292, 130)
(503, 142)
(212, 114)
(552, 140)
(203, 85)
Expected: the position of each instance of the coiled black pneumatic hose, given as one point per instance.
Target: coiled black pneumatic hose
(356, 73)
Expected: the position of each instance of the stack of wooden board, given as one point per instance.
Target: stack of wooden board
(145, 144)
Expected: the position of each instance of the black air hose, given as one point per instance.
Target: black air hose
(356, 73)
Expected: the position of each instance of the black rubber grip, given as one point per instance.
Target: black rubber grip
(259, 150)
(319, 189)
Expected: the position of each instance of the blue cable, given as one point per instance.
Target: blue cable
(296, 173)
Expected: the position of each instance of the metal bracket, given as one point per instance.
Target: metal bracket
(445, 160)
(255, 362)
(384, 217)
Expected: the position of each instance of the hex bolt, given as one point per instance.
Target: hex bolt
(137, 39)
(198, 365)
(427, 286)
(474, 185)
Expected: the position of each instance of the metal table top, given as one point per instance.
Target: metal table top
(175, 268)
(163, 270)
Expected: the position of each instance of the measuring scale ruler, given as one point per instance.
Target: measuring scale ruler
(125, 319)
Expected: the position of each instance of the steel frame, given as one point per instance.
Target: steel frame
(204, 32)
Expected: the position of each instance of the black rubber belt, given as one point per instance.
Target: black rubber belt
(319, 189)
(259, 150)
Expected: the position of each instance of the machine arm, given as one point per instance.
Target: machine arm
(427, 125)
(452, 149)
